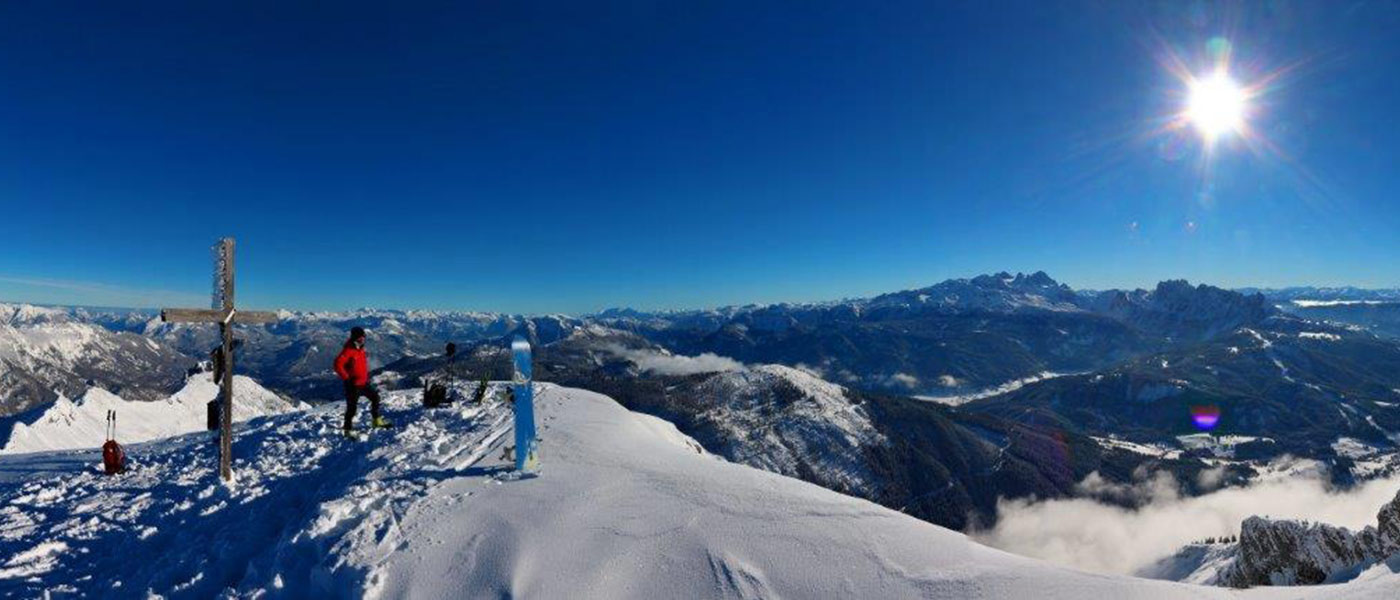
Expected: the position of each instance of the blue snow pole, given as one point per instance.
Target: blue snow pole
(526, 445)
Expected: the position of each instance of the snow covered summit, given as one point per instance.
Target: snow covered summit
(625, 507)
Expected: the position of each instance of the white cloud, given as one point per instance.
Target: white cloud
(905, 380)
(1090, 535)
(948, 381)
(663, 363)
(1146, 488)
(1210, 479)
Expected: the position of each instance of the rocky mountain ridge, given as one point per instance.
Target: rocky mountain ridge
(1287, 552)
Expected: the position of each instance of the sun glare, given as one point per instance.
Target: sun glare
(1216, 105)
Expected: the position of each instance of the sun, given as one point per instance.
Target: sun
(1216, 105)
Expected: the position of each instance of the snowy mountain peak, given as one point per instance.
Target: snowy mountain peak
(792, 422)
(999, 292)
(29, 314)
(1038, 281)
(70, 425)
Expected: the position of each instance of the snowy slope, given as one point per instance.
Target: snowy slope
(625, 508)
(789, 422)
(68, 424)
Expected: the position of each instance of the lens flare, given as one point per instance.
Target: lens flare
(1205, 418)
(1218, 94)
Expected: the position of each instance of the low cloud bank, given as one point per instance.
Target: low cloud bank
(676, 364)
(1090, 535)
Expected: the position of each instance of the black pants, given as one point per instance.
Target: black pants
(352, 400)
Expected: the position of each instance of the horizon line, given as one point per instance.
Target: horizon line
(1254, 288)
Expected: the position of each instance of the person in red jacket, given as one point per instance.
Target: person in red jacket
(352, 365)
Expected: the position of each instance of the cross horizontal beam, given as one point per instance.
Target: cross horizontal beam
(195, 315)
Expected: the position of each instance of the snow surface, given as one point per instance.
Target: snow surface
(1156, 450)
(625, 507)
(1221, 446)
(67, 425)
(1353, 448)
(1202, 564)
(1320, 335)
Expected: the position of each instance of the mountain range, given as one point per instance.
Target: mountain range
(1054, 384)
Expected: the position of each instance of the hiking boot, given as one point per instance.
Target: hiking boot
(350, 434)
(381, 422)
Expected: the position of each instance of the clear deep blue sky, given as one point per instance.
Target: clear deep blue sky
(539, 157)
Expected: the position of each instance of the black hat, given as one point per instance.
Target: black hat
(357, 333)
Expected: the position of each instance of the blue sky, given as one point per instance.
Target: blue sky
(540, 157)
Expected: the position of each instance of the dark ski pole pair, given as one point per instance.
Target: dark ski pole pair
(113, 456)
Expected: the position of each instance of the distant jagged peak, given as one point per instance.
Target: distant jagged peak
(1183, 288)
(1039, 279)
(1036, 281)
(996, 292)
(20, 314)
(1177, 309)
(1178, 295)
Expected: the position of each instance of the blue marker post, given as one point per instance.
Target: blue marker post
(526, 444)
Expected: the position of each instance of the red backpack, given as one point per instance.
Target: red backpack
(113, 457)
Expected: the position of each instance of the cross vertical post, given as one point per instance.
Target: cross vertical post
(226, 333)
(226, 316)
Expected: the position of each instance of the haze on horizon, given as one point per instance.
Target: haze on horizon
(560, 158)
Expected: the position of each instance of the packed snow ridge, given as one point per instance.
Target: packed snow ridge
(625, 507)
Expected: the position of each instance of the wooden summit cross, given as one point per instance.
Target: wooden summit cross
(224, 314)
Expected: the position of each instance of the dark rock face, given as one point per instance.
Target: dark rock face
(1297, 553)
(1288, 552)
(1388, 528)
(1177, 310)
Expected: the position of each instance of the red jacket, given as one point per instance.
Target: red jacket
(353, 365)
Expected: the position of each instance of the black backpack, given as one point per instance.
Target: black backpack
(435, 395)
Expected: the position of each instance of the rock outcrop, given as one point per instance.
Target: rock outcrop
(1290, 552)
